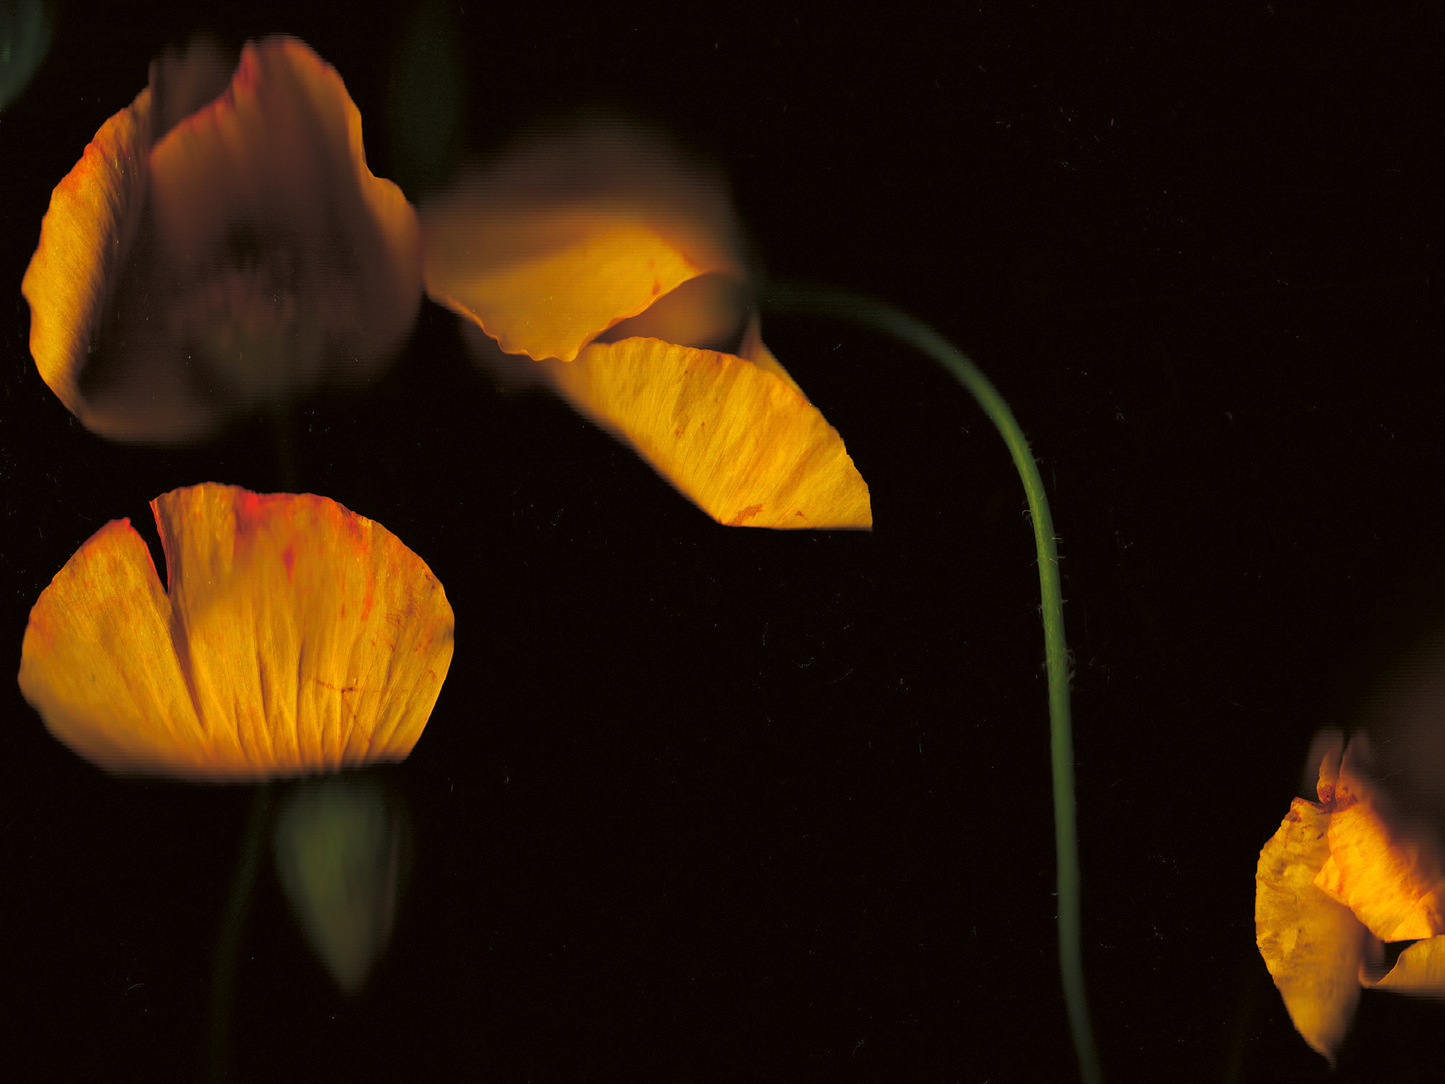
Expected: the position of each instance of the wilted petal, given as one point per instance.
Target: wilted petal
(339, 848)
(295, 637)
(566, 236)
(1420, 970)
(738, 439)
(243, 257)
(1311, 944)
(1385, 871)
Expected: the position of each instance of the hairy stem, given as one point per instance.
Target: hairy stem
(822, 301)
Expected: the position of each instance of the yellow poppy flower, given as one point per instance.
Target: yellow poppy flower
(292, 637)
(1339, 879)
(610, 266)
(221, 245)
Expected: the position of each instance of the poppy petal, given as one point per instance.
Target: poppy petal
(241, 258)
(1420, 970)
(565, 236)
(1311, 944)
(1387, 874)
(735, 438)
(87, 233)
(295, 637)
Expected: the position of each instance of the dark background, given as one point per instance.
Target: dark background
(710, 804)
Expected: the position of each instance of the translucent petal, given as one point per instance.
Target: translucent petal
(1311, 944)
(295, 637)
(88, 232)
(1420, 970)
(1384, 870)
(736, 438)
(566, 235)
(245, 255)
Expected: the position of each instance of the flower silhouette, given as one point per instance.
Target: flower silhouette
(220, 246)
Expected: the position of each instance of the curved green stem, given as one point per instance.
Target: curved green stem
(821, 301)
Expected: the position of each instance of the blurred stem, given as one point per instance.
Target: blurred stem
(822, 301)
(233, 926)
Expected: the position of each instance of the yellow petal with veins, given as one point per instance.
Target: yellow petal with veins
(737, 439)
(1311, 944)
(88, 231)
(295, 637)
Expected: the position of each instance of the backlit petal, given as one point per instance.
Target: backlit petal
(1311, 944)
(1420, 970)
(87, 235)
(245, 256)
(736, 438)
(1386, 872)
(295, 637)
(567, 235)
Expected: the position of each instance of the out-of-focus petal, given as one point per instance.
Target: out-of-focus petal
(265, 200)
(185, 79)
(1386, 872)
(565, 236)
(246, 255)
(1311, 944)
(1420, 970)
(737, 439)
(295, 637)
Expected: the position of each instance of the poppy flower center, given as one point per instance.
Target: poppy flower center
(258, 316)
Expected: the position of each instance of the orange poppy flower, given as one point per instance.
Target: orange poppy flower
(292, 637)
(611, 267)
(221, 245)
(1339, 879)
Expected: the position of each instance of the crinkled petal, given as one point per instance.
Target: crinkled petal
(296, 637)
(1386, 872)
(245, 256)
(1311, 944)
(568, 235)
(1420, 970)
(736, 438)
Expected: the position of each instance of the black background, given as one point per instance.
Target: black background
(699, 803)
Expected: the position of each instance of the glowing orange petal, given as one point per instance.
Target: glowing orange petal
(296, 637)
(1420, 970)
(754, 350)
(88, 231)
(236, 262)
(567, 236)
(1389, 876)
(738, 440)
(1311, 944)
